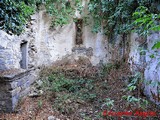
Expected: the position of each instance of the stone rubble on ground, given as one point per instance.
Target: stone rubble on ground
(53, 118)
(35, 90)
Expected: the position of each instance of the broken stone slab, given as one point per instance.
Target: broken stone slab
(36, 93)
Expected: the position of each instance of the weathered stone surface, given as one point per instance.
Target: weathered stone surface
(9, 51)
(152, 71)
(45, 46)
(13, 87)
(150, 65)
(25, 92)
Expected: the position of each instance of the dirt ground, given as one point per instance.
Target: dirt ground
(40, 108)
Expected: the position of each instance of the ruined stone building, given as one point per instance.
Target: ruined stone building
(40, 45)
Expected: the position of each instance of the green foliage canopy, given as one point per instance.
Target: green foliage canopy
(62, 11)
(118, 16)
(15, 13)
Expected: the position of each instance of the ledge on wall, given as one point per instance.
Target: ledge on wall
(15, 84)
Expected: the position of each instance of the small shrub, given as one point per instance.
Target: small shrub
(68, 90)
(108, 103)
(60, 83)
(107, 68)
(40, 103)
(135, 85)
(64, 103)
(15, 14)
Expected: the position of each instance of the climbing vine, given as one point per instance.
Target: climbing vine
(15, 14)
(117, 16)
(145, 21)
(62, 11)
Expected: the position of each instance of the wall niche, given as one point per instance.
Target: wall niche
(79, 25)
(24, 54)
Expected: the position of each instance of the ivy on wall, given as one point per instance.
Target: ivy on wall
(15, 13)
(118, 16)
(62, 11)
(145, 21)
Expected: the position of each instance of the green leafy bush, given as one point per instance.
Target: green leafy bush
(70, 93)
(15, 14)
(60, 83)
(116, 16)
(62, 11)
(146, 20)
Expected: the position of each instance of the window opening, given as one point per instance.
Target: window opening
(79, 24)
(24, 53)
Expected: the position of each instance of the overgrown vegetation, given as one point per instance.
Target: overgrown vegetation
(134, 91)
(15, 14)
(62, 11)
(70, 91)
(117, 16)
(84, 93)
(121, 17)
(145, 21)
(90, 90)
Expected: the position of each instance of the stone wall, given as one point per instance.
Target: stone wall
(41, 45)
(9, 51)
(99, 44)
(152, 70)
(46, 45)
(54, 44)
(134, 55)
(150, 66)
(14, 85)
